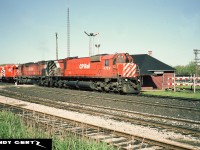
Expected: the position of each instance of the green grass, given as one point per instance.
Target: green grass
(182, 93)
(188, 87)
(11, 126)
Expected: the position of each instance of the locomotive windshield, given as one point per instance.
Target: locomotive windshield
(121, 58)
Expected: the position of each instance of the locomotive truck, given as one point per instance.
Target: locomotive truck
(104, 72)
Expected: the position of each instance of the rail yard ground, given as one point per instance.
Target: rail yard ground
(159, 118)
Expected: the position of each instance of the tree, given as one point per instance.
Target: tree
(190, 68)
(179, 69)
(187, 69)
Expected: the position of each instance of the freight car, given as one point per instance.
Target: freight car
(104, 72)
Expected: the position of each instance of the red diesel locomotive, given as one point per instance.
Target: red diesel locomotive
(8, 72)
(104, 72)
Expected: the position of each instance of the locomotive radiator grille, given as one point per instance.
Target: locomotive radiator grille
(129, 70)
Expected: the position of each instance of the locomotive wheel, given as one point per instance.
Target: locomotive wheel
(107, 87)
(51, 83)
(41, 83)
(60, 84)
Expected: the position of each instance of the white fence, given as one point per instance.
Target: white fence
(184, 81)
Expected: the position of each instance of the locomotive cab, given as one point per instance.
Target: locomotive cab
(128, 73)
(120, 73)
(125, 65)
(122, 58)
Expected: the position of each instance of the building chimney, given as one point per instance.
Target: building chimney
(150, 53)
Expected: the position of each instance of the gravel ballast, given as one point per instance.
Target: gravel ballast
(145, 132)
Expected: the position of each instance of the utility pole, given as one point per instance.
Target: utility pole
(56, 46)
(197, 61)
(68, 34)
(91, 35)
(97, 46)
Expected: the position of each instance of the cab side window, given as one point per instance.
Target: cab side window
(114, 61)
(127, 60)
(131, 60)
(106, 62)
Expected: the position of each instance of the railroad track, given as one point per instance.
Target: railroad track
(154, 121)
(128, 99)
(122, 140)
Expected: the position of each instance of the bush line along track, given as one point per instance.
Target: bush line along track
(116, 138)
(180, 125)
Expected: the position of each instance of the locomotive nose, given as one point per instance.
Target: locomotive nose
(127, 70)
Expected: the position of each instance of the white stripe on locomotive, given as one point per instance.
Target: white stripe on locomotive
(129, 69)
(132, 70)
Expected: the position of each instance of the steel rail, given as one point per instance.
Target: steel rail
(165, 105)
(145, 121)
(162, 143)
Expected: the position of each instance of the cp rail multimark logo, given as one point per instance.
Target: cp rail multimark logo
(22, 144)
(2, 72)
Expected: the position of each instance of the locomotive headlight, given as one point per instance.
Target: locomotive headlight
(126, 79)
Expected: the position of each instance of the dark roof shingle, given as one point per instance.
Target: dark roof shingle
(148, 64)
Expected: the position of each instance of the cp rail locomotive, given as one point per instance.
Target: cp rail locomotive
(104, 72)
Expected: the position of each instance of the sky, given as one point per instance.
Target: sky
(168, 28)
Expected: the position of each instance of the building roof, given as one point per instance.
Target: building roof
(149, 65)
